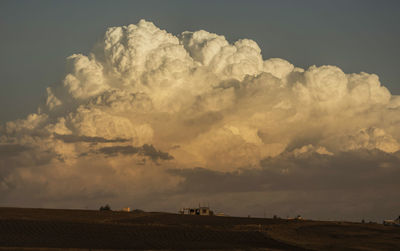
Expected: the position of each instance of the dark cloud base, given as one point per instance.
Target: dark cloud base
(350, 185)
(9, 150)
(145, 150)
(307, 172)
(69, 138)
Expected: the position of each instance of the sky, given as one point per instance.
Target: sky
(284, 107)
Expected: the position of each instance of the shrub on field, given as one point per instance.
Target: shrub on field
(105, 208)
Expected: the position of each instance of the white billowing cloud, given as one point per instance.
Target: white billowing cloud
(278, 67)
(94, 122)
(85, 78)
(133, 50)
(144, 95)
(366, 89)
(326, 83)
(211, 50)
(372, 138)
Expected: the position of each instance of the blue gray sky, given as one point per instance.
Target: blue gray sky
(37, 36)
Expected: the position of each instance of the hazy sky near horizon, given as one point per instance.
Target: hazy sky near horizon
(292, 107)
(37, 36)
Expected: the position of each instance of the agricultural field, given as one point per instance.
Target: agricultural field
(54, 229)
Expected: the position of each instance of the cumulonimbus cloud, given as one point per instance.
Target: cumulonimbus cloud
(194, 100)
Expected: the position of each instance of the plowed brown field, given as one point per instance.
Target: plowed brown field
(51, 229)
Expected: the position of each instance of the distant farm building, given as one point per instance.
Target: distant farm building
(395, 222)
(197, 211)
(126, 209)
(298, 217)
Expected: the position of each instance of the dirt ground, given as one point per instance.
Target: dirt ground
(51, 229)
